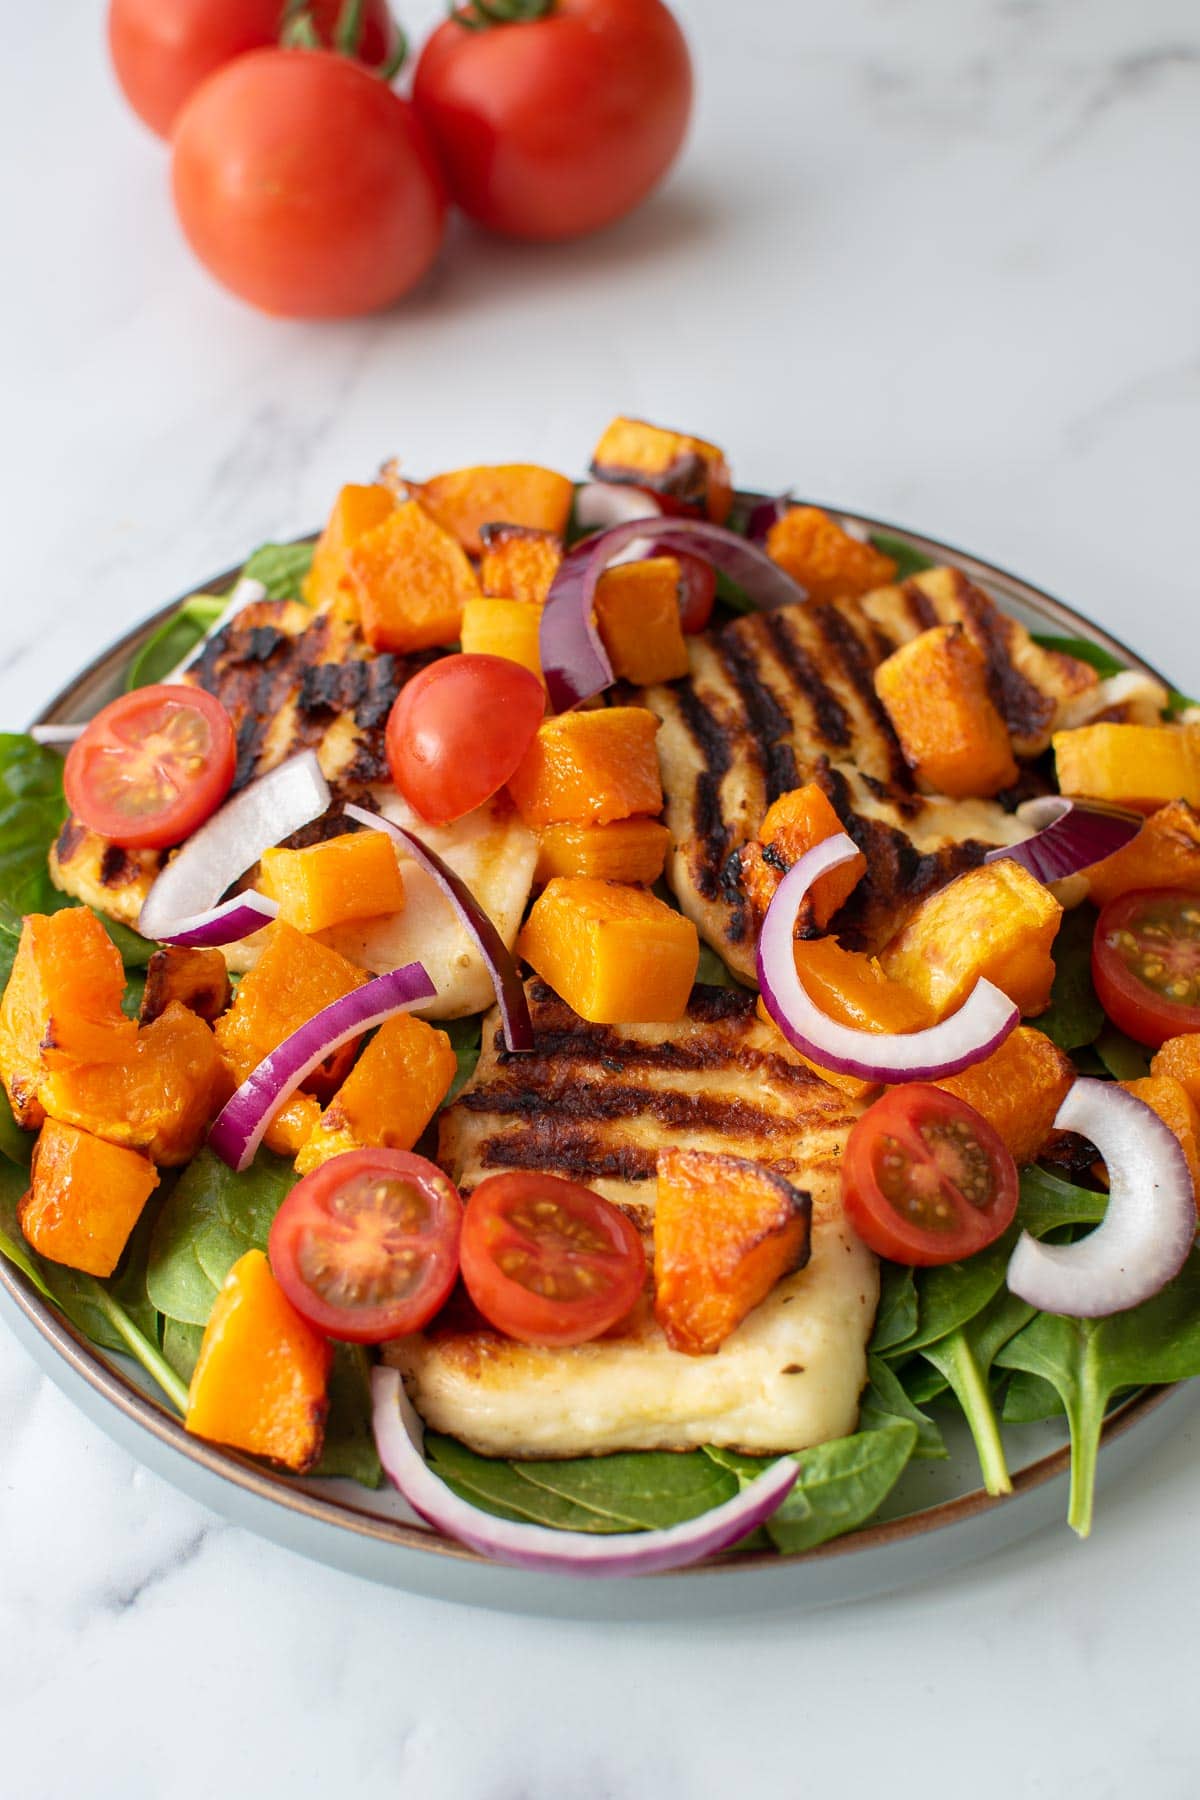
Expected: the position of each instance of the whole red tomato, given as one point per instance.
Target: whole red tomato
(305, 185)
(557, 125)
(162, 49)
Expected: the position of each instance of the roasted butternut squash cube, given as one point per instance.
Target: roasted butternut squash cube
(62, 1005)
(637, 615)
(84, 1199)
(1018, 1089)
(355, 876)
(615, 954)
(632, 850)
(797, 822)
(466, 500)
(826, 560)
(197, 979)
(410, 580)
(389, 1096)
(261, 1380)
(294, 977)
(997, 921)
(588, 768)
(1180, 1057)
(855, 990)
(725, 1231)
(1169, 1098)
(1164, 854)
(687, 470)
(356, 511)
(1142, 766)
(518, 562)
(159, 1100)
(508, 628)
(935, 692)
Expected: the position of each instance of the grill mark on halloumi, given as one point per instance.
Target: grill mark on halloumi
(766, 719)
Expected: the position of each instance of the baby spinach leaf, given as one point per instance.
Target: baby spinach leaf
(174, 640)
(1028, 1399)
(711, 970)
(1087, 1361)
(181, 1346)
(32, 810)
(136, 950)
(1047, 1201)
(886, 1399)
(15, 1144)
(1083, 650)
(1075, 1016)
(842, 1484)
(349, 1440)
(210, 1218)
(1124, 1060)
(466, 1040)
(896, 1314)
(281, 568)
(909, 562)
(629, 1491)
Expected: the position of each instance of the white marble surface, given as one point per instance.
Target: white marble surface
(935, 259)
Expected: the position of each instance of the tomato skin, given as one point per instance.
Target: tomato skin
(597, 1238)
(306, 186)
(697, 591)
(353, 1221)
(196, 744)
(894, 1126)
(1135, 1005)
(162, 49)
(557, 126)
(457, 731)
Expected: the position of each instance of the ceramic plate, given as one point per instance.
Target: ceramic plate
(937, 1518)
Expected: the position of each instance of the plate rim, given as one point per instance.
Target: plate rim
(110, 1382)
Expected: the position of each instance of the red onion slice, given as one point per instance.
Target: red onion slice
(54, 736)
(599, 505)
(501, 964)
(399, 1436)
(184, 897)
(1069, 835)
(767, 510)
(980, 1025)
(574, 660)
(241, 1124)
(1148, 1227)
(236, 918)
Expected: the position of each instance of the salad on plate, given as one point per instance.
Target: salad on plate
(617, 1007)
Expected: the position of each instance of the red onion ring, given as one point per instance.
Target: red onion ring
(1069, 835)
(501, 965)
(766, 511)
(235, 918)
(1148, 1227)
(184, 898)
(241, 1124)
(599, 505)
(980, 1025)
(399, 1436)
(574, 660)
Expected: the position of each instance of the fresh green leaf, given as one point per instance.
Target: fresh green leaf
(1124, 1060)
(32, 810)
(210, 1218)
(952, 1294)
(842, 1484)
(162, 653)
(1087, 1361)
(711, 971)
(629, 1491)
(466, 1040)
(349, 1439)
(13, 1247)
(281, 568)
(15, 1144)
(181, 1346)
(733, 596)
(896, 1314)
(909, 562)
(1087, 1062)
(1083, 650)
(136, 950)
(127, 1284)
(921, 1381)
(1047, 1202)
(1028, 1399)
(1075, 1016)
(887, 1399)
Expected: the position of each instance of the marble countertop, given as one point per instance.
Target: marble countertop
(935, 260)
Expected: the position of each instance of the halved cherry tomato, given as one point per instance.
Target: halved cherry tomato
(152, 766)
(458, 730)
(697, 591)
(926, 1179)
(1146, 964)
(366, 1247)
(548, 1261)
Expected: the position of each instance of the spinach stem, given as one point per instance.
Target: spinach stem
(140, 1347)
(1086, 1422)
(963, 1373)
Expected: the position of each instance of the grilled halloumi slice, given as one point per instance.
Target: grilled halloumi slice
(777, 699)
(595, 1104)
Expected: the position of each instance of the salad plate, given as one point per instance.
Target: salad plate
(936, 1519)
